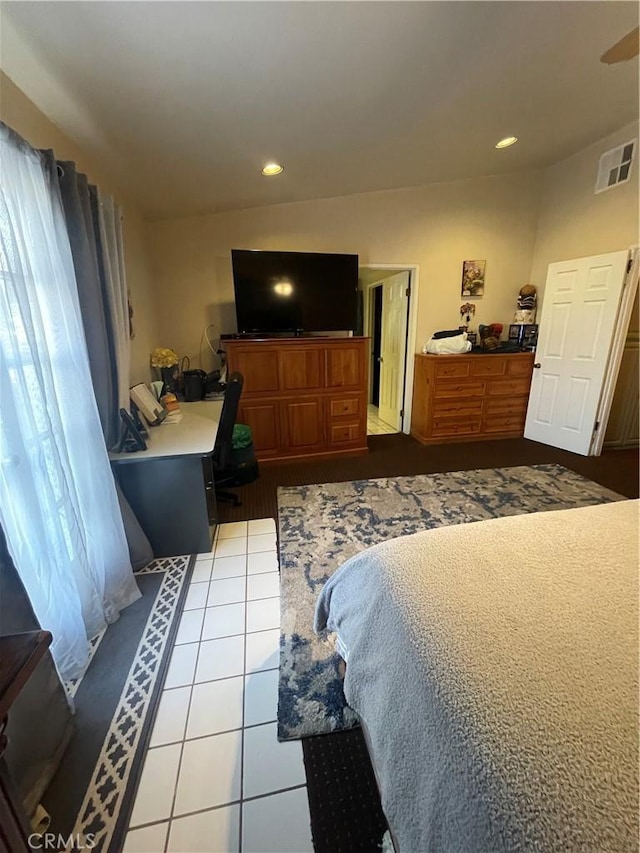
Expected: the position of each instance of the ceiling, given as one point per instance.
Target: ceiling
(187, 100)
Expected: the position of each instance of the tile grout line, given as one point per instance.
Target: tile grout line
(228, 637)
(175, 790)
(244, 694)
(184, 739)
(222, 731)
(222, 806)
(186, 723)
(222, 677)
(231, 603)
(172, 815)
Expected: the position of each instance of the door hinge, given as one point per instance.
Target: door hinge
(407, 292)
(627, 275)
(401, 413)
(597, 424)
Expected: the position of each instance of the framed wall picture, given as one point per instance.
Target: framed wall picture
(473, 278)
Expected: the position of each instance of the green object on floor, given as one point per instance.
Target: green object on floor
(241, 436)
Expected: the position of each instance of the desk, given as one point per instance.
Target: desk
(166, 484)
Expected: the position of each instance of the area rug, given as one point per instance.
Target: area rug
(321, 526)
(91, 796)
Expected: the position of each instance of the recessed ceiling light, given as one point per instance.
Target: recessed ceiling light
(272, 169)
(507, 141)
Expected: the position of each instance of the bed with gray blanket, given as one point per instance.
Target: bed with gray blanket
(494, 666)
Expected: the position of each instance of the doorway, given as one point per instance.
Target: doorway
(376, 339)
(622, 428)
(386, 298)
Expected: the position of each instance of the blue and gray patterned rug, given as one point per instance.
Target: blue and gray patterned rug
(321, 526)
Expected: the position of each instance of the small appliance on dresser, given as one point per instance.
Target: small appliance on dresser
(525, 335)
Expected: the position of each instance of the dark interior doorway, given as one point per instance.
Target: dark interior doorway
(376, 343)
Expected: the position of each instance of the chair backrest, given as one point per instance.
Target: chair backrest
(223, 445)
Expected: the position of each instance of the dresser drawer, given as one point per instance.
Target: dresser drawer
(453, 408)
(445, 390)
(341, 406)
(344, 433)
(506, 405)
(520, 367)
(489, 366)
(504, 423)
(445, 427)
(508, 387)
(452, 369)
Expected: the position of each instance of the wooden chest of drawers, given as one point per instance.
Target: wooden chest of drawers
(303, 397)
(470, 397)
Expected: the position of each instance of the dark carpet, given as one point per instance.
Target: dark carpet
(345, 809)
(346, 815)
(400, 455)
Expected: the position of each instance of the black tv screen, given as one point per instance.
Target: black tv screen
(294, 291)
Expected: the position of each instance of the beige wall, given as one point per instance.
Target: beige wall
(17, 111)
(436, 227)
(574, 222)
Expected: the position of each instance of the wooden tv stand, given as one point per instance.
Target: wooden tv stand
(303, 397)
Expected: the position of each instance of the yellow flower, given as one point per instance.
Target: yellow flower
(163, 357)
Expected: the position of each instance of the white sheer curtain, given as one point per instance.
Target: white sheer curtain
(58, 503)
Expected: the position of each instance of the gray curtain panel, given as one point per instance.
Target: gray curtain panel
(108, 232)
(76, 201)
(101, 291)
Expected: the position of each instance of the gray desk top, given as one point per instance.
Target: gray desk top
(195, 435)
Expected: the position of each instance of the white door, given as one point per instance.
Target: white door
(579, 313)
(395, 301)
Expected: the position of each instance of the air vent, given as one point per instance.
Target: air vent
(615, 166)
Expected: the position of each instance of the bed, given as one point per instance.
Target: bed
(494, 667)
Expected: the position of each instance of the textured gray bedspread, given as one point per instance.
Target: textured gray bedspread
(494, 666)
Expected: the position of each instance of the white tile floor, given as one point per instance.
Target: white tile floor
(375, 426)
(215, 778)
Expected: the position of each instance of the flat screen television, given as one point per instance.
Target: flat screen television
(294, 292)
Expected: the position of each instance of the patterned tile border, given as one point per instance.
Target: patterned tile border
(123, 744)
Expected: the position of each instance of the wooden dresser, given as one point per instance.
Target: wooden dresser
(470, 397)
(303, 397)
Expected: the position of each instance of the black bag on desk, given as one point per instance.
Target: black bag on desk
(193, 385)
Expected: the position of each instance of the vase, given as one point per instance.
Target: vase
(170, 379)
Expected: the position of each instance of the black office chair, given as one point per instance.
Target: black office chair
(221, 456)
